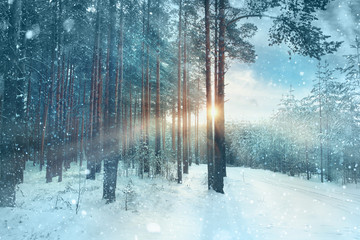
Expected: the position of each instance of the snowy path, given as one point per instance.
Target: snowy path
(257, 205)
(282, 207)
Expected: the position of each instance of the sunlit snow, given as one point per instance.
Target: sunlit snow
(257, 204)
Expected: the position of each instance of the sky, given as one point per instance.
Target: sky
(253, 91)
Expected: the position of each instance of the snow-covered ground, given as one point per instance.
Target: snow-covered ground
(258, 204)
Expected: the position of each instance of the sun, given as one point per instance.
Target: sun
(213, 112)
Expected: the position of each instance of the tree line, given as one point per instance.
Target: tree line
(315, 135)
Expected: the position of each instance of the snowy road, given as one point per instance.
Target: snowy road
(258, 204)
(282, 207)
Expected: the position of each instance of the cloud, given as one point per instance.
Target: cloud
(249, 98)
(253, 102)
(255, 90)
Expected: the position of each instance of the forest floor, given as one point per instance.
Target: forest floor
(257, 204)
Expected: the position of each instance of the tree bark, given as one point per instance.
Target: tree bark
(218, 185)
(216, 45)
(179, 170)
(91, 166)
(173, 131)
(111, 144)
(147, 94)
(184, 102)
(13, 112)
(131, 140)
(120, 77)
(142, 159)
(158, 162)
(197, 160)
(98, 145)
(189, 130)
(209, 122)
(157, 116)
(50, 173)
(163, 126)
(82, 128)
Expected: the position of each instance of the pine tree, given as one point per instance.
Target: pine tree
(12, 138)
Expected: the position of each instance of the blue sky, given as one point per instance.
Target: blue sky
(254, 90)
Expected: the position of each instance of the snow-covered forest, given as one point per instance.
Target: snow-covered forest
(317, 134)
(115, 124)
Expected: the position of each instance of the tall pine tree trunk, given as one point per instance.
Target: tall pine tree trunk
(197, 160)
(219, 171)
(12, 112)
(60, 131)
(99, 118)
(111, 145)
(184, 102)
(142, 159)
(320, 126)
(163, 125)
(216, 46)
(189, 130)
(173, 131)
(91, 158)
(82, 127)
(209, 122)
(48, 123)
(157, 116)
(131, 140)
(120, 77)
(147, 92)
(179, 170)
(158, 162)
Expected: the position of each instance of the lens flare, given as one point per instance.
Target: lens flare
(213, 112)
